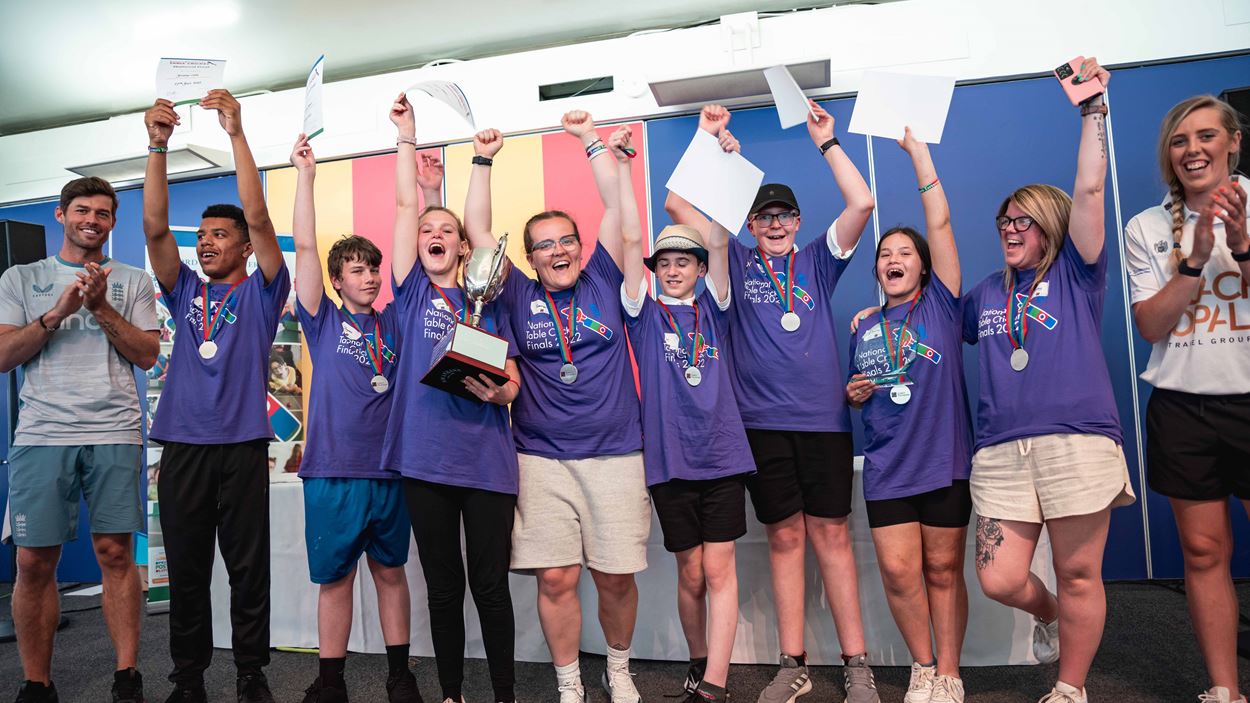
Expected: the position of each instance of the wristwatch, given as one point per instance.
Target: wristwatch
(480, 160)
(1184, 269)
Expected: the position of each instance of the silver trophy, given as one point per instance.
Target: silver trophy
(484, 273)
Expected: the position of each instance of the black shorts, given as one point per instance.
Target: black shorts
(808, 471)
(694, 512)
(1198, 446)
(943, 507)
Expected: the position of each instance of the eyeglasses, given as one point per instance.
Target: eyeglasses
(765, 219)
(568, 241)
(1022, 222)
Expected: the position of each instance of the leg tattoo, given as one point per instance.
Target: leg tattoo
(989, 539)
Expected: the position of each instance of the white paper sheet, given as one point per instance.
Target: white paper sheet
(792, 107)
(722, 185)
(450, 95)
(183, 81)
(888, 102)
(314, 122)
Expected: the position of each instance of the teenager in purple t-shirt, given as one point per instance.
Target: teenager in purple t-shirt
(793, 403)
(582, 494)
(907, 376)
(694, 445)
(352, 506)
(1048, 434)
(213, 418)
(455, 455)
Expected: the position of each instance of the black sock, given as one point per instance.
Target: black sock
(396, 659)
(800, 659)
(717, 692)
(331, 671)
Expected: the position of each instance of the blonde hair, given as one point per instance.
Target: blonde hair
(1229, 119)
(1050, 209)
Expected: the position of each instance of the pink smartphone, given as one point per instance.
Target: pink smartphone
(1077, 92)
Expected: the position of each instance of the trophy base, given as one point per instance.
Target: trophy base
(467, 351)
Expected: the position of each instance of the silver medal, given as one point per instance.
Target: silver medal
(379, 383)
(1019, 359)
(208, 349)
(900, 394)
(694, 376)
(790, 321)
(568, 373)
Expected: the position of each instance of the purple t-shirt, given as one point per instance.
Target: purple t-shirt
(787, 380)
(1065, 389)
(690, 432)
(926, 443)
(346, 416)
(222, 400)
(433, 435)
(597, 414)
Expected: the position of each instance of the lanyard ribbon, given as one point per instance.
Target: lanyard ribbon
(213, 326)
(452, 308)
(696, 348)
(375, 354)
(785, 297)
(1017, 322)
(895, 352)
(565, 333)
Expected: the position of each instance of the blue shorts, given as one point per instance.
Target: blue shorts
(347, 517)
(45, 483)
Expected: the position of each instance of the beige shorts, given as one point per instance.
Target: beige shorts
(594, 511)
(1050, 476)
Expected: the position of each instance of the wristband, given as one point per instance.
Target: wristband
(1184, 269)
(1242, 257)
(1089, 108)
(514, 382)
(479, 160)
(158, 149)
(828, 145)
(405, 140)
(929, 187)
(45, 327)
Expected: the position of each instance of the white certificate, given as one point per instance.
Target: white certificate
(792, 107)
(450, 95)
(314, 123)
(183, 81)
(721, 184)
(888, 102)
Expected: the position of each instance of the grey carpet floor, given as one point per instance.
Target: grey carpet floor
(1148, 655)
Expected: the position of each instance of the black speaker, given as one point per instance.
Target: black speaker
(20, 243)
(1239, 98)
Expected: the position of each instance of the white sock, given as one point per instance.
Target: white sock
(618, 658)
(570, 673)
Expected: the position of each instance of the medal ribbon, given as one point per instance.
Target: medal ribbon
(895, 352)
(375, 355)
(696, 348)
(213, 325)
(1017, 322)
(565, 333)
(452, 308)
(784, 297)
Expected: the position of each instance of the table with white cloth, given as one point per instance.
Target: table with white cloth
(996, 634)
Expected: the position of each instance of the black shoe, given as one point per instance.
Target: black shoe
(188, 693)
(320, 693)
(32, 692)
(402, 688)
(253, 687)
(128, 686)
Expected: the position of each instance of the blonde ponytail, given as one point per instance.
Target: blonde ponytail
(1178, 220)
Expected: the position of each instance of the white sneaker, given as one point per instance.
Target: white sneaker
(1063, 693)
(572, 692)
(948, 689)
(1046, 641)
(619, 684)
(1219, 694)
(920, 687)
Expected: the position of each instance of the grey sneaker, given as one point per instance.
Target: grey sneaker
(920, 686)
(1046, 641)
(857, 677)
(947, 689)
(790, 682)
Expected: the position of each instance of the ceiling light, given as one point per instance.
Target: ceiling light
(184, 160)
(722, 87)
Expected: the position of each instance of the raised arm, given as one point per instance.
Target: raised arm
(630, 226)
(937, 213)
(477, 204)
(713, 119)
(162, 249)
(430, 179)
(251, 193)
(308, 284)
(1086, 223)
(579, 124)
(859, 202)
(407, 206)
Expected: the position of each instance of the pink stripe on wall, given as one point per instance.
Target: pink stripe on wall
(373, 208)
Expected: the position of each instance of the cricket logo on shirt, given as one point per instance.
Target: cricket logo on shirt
(352, 343)
(541, 333)
(872, 354)
(439, 319)
(993, 320)
(679, 354)
(758, 289)
(195, 313)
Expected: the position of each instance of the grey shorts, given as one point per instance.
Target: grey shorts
(45, 483)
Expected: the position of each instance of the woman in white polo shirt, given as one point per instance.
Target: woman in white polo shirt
(1188, 261)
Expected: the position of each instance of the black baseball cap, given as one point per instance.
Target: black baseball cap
(771, 193)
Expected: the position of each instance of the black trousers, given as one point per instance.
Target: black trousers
(437, 512)
(216, 491)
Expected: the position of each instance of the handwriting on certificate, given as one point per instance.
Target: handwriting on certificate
(183, 81)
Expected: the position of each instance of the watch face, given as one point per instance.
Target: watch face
(1063, 71)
